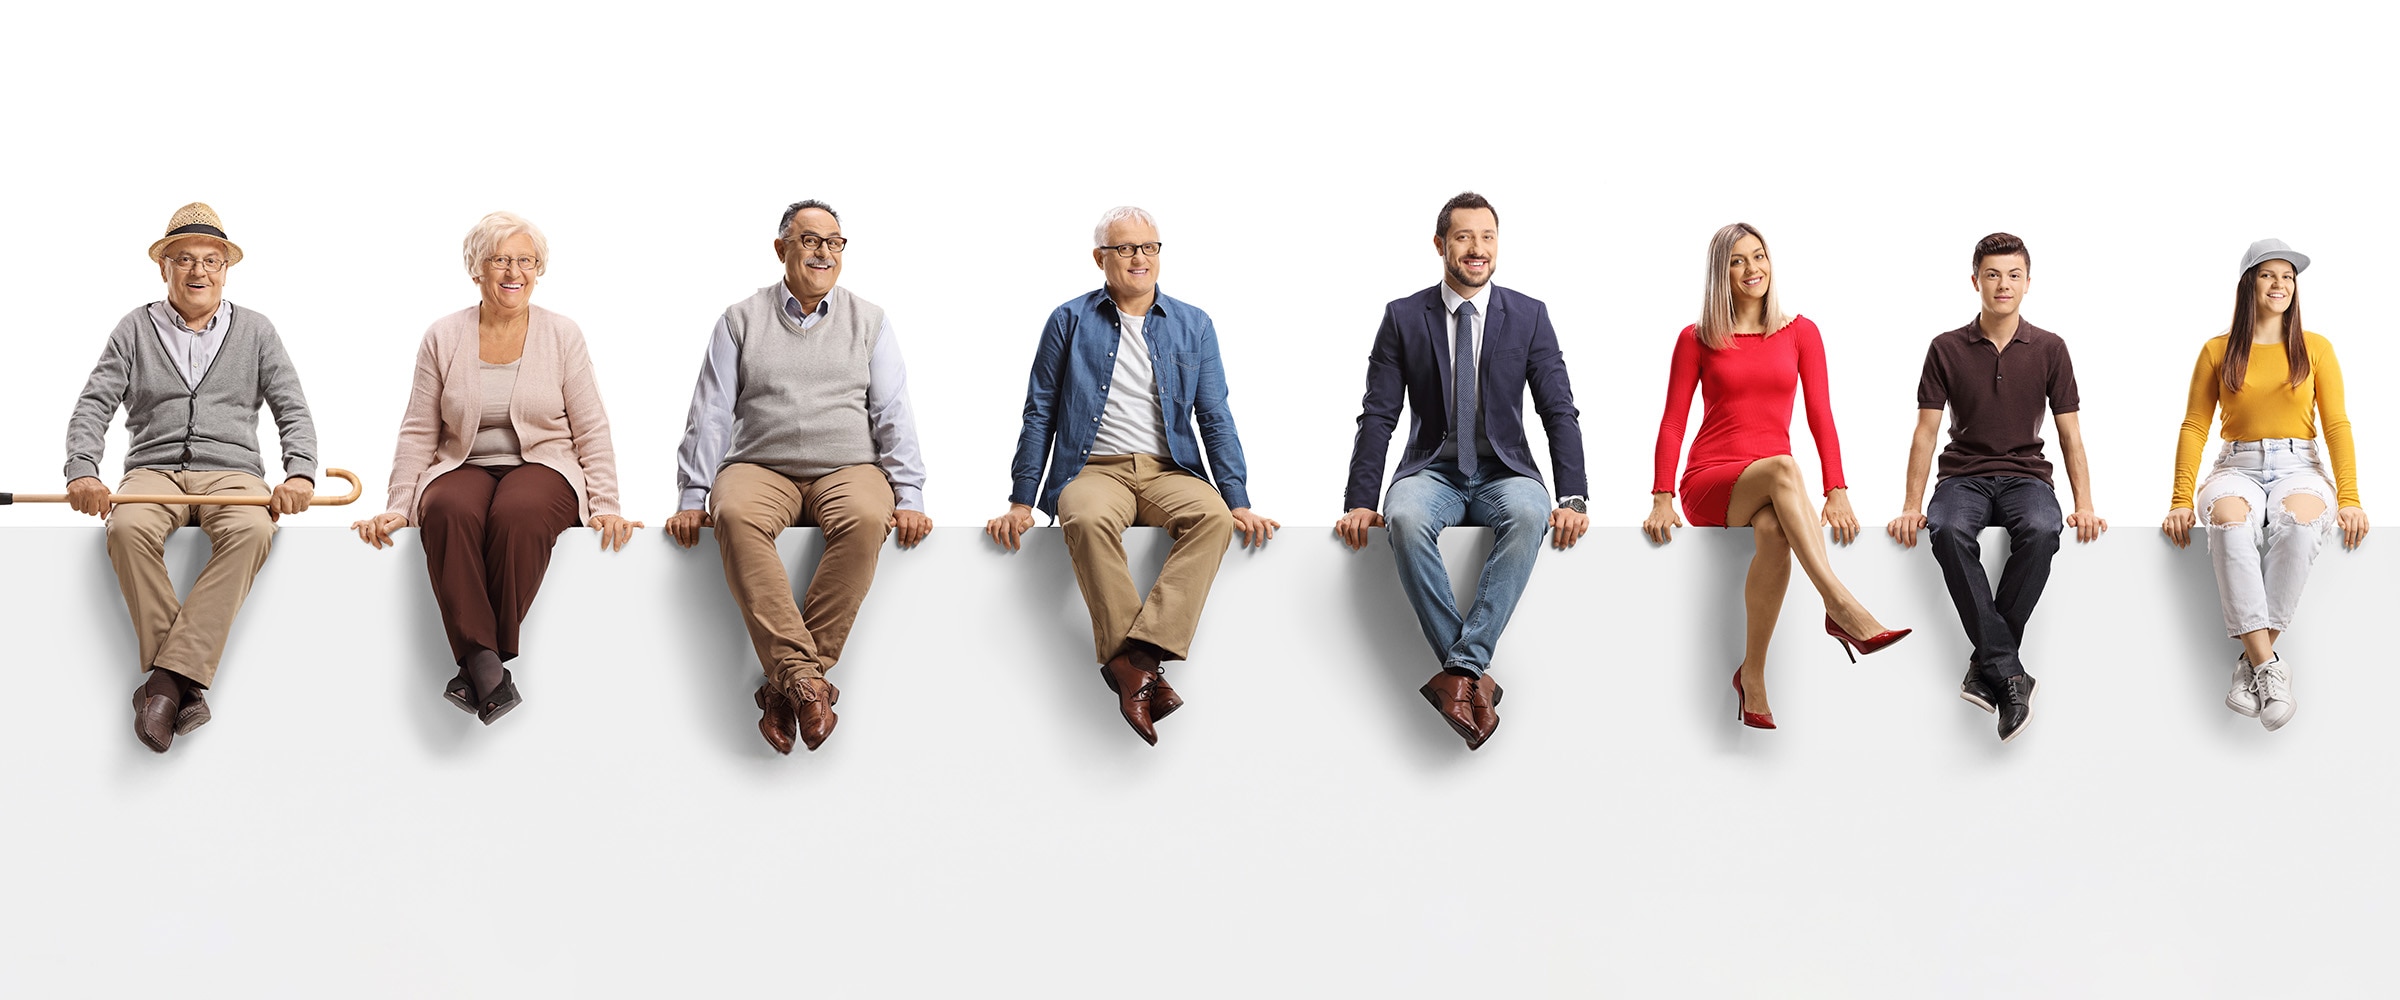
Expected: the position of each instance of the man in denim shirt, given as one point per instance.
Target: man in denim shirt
(1120, 377)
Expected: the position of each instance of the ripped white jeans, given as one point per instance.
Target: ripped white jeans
(2262, 561)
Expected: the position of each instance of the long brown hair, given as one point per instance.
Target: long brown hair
(2245, 323)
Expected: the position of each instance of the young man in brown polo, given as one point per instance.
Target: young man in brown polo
(1997, 374)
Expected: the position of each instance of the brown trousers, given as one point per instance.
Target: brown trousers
(752, 505)
(1115, 492)
(488, 532)
(187, 637)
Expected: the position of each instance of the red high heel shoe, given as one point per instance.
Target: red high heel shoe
(1863, 646)
(1754, 720)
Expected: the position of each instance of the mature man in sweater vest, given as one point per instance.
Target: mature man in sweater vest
(801, 418)
(190, 373)
(1119, 378)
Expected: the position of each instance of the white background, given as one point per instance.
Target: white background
(1295, 155)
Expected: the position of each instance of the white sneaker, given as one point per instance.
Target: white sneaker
(2275, 704)
(2243, 699)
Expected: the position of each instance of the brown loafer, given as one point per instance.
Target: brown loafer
(154, 720)
(775, 720)
(1451, 695)
(1135, 687)
(193, 714)
(1483, 698)
(812, 701)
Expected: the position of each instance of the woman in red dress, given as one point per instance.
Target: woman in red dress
(1746, 356)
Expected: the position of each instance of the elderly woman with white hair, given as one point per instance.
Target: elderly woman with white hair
(504, 446)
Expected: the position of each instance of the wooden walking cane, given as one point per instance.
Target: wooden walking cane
(235, 500)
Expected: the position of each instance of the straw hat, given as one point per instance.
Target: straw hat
(196, 219)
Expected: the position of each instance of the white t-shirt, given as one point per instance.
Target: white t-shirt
(1130, 423)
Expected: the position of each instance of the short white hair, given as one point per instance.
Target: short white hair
(1117, 215)
(492, 230)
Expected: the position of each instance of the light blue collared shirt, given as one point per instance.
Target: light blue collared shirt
(191, 350)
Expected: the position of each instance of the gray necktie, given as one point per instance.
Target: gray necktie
(1462, 386)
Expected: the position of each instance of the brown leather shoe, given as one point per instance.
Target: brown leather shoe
(1135, 687)
(1451, 695)
(1483, 697)
(813, 698)
(1163, 699)
(194, 712)
(775, 718)
(154, 719)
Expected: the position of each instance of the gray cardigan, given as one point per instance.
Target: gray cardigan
(169, 425)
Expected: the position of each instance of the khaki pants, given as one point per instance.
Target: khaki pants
(187, 637)
(1115, 492)
(752, 505)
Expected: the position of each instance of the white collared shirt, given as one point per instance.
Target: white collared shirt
(191, 350)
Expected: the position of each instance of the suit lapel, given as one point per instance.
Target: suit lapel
(1437, 340)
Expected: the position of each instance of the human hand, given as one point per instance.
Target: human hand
(1567, 527)
(1255, 529)
(2088, 526)
(683, 526)
(1836, 513)
(909, 526)
(1008, 528)
(1352, 528)
(291, 497)
(614, 531)
(2354, 526)
(1904, 528)
(2178, 525)
(88, 496)
(1663, 520)
(377, 530)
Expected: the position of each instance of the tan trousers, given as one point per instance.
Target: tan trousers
(188, 636)
(1115, 492)
(752, 505)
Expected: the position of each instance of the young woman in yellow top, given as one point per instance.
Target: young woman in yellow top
(2277, 384)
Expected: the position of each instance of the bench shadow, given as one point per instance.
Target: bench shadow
(1386, 626)
(1065, 677)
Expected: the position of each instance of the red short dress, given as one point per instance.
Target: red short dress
(1746, 389)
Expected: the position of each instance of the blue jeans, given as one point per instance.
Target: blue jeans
(2261, 589)
(1438, 496)
(1962, 507)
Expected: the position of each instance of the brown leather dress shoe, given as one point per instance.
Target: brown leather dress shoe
(1483, 698)
(1135, 687)
(1451, 695)
(154, 720)
(813, 699)
(775, 718)
(194, 712)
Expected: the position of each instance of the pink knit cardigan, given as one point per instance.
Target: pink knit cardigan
(556, 409)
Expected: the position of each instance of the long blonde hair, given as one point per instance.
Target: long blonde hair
(1716, 307)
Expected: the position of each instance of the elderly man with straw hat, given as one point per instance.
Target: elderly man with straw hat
(190, 372)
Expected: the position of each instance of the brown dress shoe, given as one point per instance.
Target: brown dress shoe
(194, 712)
(154, 720)
(1163, 699)
(1135, 687)
(1451, 695)
(775, 718)
(813, 699)
(1483, 698)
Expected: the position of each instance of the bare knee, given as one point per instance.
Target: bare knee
(2231, 510)
(1768, 530)
(1783, 473)
(2303, 507)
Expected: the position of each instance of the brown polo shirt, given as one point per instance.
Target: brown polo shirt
(1996, 398)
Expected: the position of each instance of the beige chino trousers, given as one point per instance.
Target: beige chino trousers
(1115, 492)
(752, 505)
(188, 636)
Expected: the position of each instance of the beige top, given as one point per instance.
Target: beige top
(496, 434)
(554, 407)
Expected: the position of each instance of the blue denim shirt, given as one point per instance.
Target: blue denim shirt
(1069, 386)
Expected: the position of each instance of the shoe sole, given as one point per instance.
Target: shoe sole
(192, 717)
(2273, 726)
(2247, 712)
(1977, 702)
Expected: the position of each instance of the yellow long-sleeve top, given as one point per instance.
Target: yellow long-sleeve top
(2265, 407)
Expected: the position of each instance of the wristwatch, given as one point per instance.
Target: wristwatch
(1572, 503)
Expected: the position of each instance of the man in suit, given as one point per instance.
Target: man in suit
(1462, 354)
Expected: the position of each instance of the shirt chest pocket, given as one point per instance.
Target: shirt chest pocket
(1179, 377)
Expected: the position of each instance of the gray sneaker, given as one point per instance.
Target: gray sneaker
(2275, 704)
(2243, 699)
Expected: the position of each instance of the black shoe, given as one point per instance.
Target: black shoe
(1976, 691)
(2016, 706)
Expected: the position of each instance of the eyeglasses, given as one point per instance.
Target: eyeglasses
(1129, 249)
(211, 263)
(525, 264)
(812, 241)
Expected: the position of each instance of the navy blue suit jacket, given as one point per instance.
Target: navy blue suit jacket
(1411, 360)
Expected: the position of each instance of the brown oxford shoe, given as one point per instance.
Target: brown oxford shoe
(154, 719)
(1483, 698)
(1135, 687)
(813, 699)
(775, 718)
(1452, 696)
(1163, 699)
